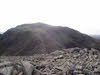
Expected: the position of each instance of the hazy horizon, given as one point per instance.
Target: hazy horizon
(81, 15)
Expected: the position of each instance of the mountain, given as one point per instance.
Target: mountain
(29, 39)
(0, 35)
(95, 36)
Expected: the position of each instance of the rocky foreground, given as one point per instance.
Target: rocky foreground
(73, 61)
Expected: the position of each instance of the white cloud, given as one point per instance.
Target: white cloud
(83, 15)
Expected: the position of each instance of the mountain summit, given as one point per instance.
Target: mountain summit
(29, 39)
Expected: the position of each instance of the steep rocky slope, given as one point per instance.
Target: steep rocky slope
(28, 39)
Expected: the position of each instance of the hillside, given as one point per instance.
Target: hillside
(95, 36)
(0, 35)
(29, 39)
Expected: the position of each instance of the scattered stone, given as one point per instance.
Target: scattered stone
(73, 61)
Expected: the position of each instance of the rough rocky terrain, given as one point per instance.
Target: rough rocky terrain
(72, 61)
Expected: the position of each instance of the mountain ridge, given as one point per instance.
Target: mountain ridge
(35, 38)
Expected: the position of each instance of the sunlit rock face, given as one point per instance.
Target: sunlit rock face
(38, 38)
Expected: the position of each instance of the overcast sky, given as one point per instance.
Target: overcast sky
(83, 15)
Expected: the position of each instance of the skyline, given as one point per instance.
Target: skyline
(81, 15)
(75, 27)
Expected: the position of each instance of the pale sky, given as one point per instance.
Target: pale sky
(82, 15)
